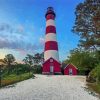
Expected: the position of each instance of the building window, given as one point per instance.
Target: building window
(51, 60)
(70, 71)
(51, 69)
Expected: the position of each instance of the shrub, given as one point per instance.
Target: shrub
(98, 72)
(94, 75)
(37, 69)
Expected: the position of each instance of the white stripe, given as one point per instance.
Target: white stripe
(50, 22)
(51, 53)
(50, 37)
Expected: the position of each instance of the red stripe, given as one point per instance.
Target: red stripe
(50, 16)
(50, 29)
(51, 45)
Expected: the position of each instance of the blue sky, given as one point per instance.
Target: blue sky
(22, 26)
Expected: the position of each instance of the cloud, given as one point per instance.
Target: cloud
(5, 27)
(21, 51)
(20, 29)
(16, 38)
(18, 45)
(42, 40)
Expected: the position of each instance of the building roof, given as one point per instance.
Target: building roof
(51, 58)
(72, 65)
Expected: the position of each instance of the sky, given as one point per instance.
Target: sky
(23, 24)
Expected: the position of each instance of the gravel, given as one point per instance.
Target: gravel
(45, 87)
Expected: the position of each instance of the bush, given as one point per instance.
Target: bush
(94, 75)
(37, 69)
(98, 72)
(20, 69)
(13, 78)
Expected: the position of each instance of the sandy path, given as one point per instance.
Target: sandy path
(48, 88)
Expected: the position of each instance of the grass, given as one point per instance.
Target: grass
(94, 87)
(13, 78)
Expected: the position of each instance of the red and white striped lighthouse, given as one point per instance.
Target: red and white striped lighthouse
(51, 57)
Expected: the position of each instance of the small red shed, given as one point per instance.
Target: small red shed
(51, 66)
(70, 69)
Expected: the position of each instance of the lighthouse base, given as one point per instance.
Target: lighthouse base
(51, 67)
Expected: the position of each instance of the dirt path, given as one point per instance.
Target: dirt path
(48, 88)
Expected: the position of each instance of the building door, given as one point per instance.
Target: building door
(70, 71)
(51, 69)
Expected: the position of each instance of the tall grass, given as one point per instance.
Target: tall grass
(13, 78)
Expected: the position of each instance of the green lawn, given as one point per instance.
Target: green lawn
(95, 87)
(13, 78)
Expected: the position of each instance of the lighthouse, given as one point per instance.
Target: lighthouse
(51, 63)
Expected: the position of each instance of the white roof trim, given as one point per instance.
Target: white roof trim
(70, 64)
(53, 59)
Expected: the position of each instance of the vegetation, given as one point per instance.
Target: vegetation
(87, 23)
(94, 87)
(13, 78)
(94, 75)
(84, 60)
(37, 69)
(12, 72)
(87, 26)
(9, 60)
(28, 60)
(87, 55)
(38, 58)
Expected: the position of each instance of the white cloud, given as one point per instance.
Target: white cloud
(10, 39)
(42, 40)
